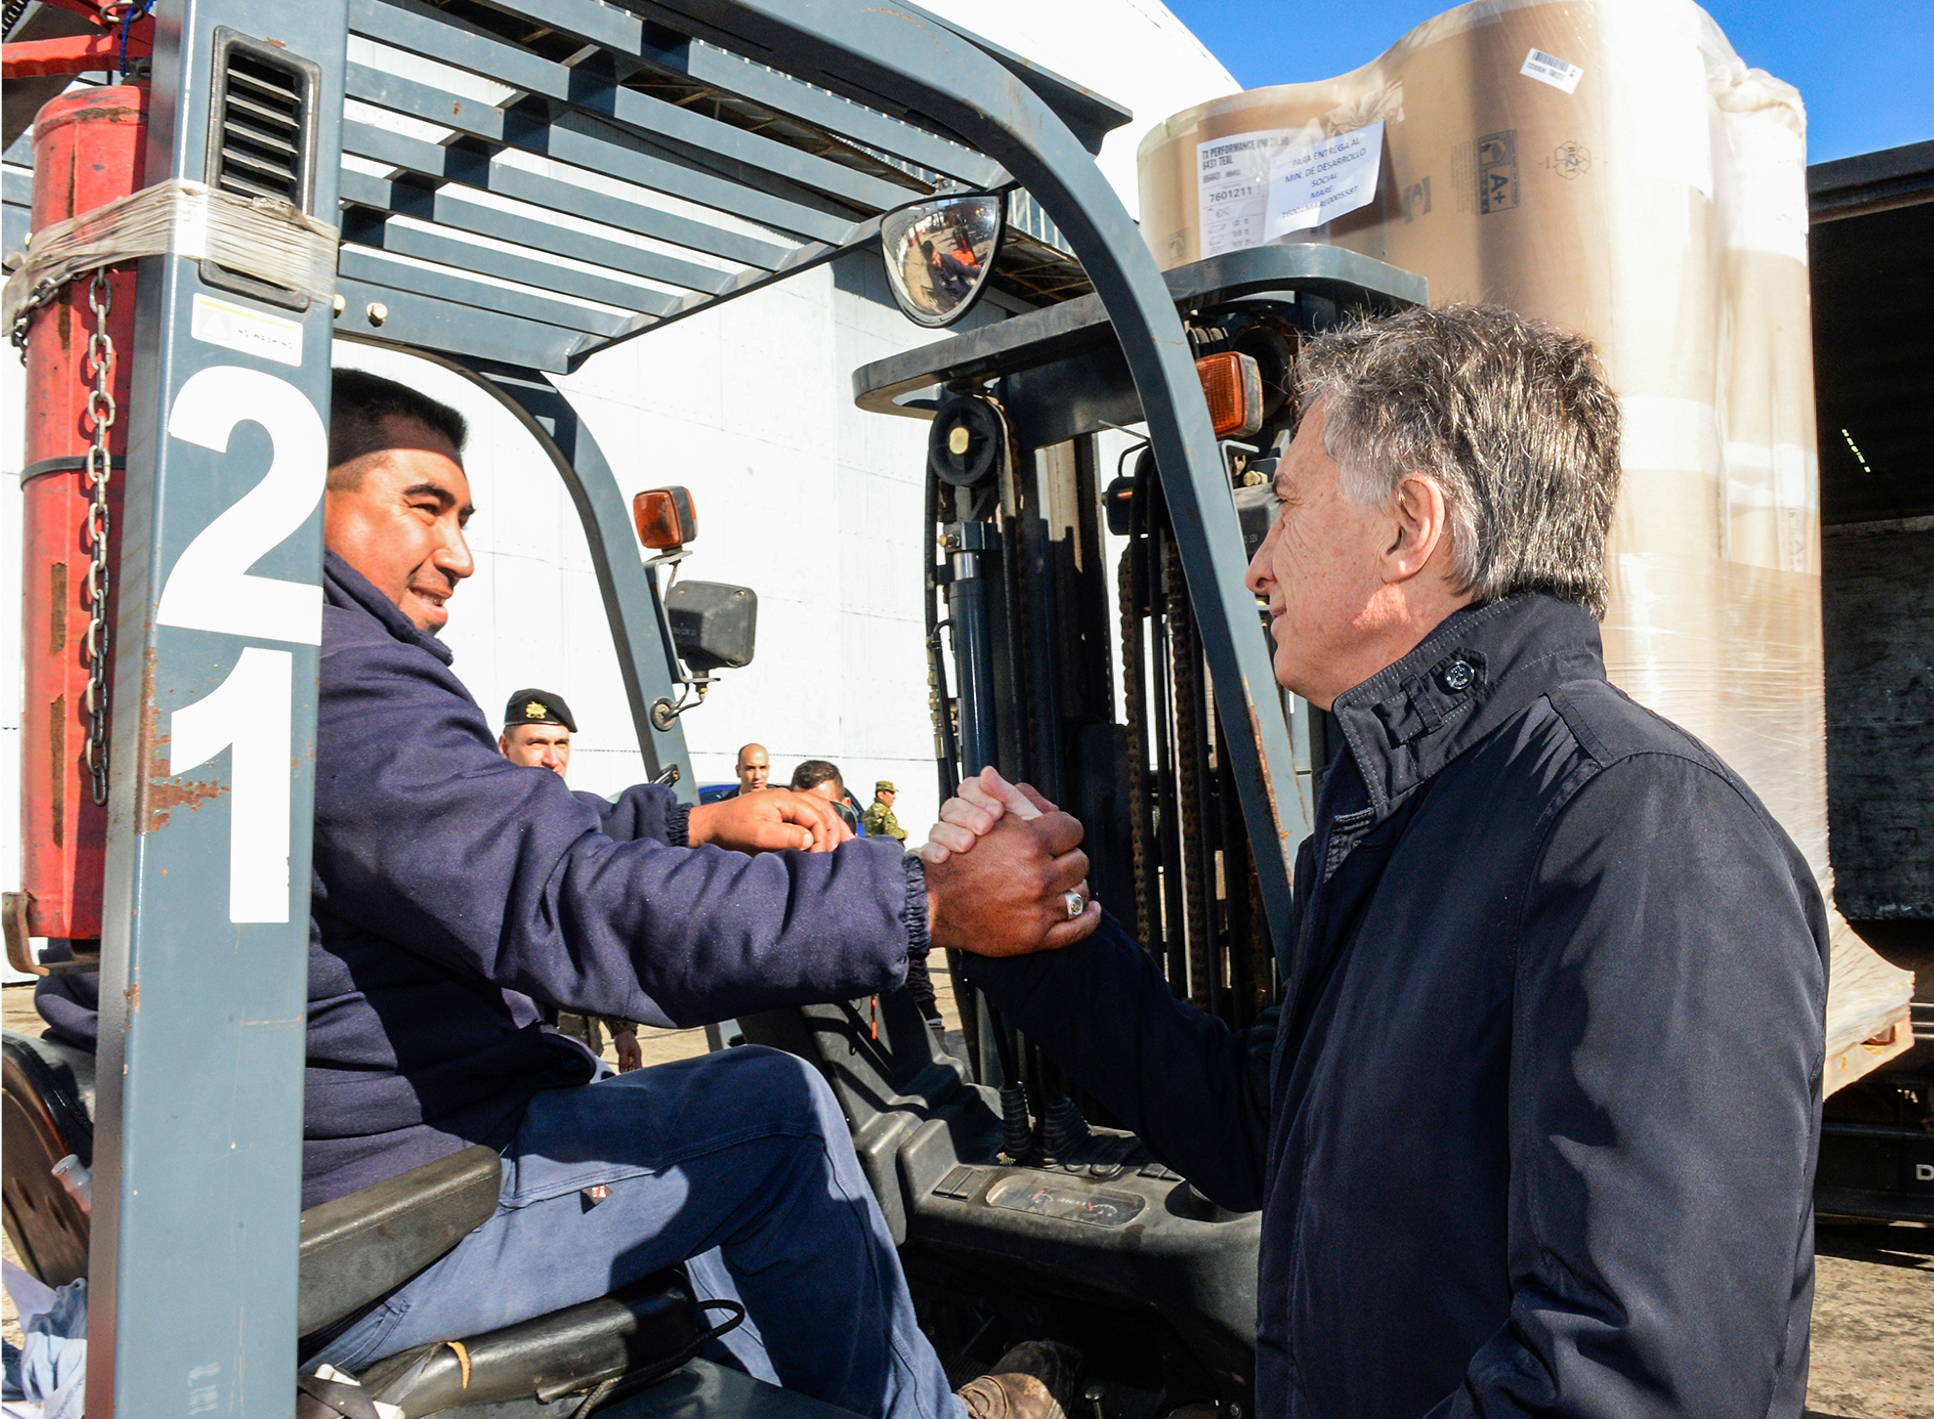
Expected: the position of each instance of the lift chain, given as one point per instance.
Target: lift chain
(1186, 682)
(1128, 600)
(101, 414)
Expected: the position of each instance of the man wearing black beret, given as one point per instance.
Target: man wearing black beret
(537, 734)
(537, 730)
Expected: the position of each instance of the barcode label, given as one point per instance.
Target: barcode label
(1550, 69)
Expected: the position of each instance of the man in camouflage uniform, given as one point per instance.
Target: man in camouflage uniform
(880, 823)
(537, 734)
(879, 819)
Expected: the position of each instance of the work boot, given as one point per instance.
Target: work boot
(1031, 1381)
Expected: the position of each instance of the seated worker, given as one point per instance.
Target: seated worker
(453, 891)
(537, 734)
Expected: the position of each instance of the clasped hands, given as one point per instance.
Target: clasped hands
(1001, 864)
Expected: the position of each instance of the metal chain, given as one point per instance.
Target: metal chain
(1128, 600)
(43, 294)
(1186, 680)
(101, 414)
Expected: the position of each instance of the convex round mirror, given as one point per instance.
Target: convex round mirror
(938, 253)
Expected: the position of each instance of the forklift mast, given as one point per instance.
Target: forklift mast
(391, 138)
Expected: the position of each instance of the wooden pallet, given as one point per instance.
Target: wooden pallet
(1867, 1010)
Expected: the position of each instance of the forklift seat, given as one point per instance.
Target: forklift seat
(359, 1247)
(353, 1251)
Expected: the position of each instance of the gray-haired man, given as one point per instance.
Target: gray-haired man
(1532, 1126)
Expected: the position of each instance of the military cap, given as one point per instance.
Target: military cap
(884, 786)
(538, 707)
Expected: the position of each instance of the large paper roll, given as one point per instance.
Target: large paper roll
(1613, 168)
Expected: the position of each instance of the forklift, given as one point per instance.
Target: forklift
(206, 228)
(1070, 646)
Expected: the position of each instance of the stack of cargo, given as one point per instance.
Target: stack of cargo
(1615, 169)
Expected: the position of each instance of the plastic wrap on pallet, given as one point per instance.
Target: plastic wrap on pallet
(1613, 168)
(255, 236)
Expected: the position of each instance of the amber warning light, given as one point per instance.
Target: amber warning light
(1232, 383)
(664, 517)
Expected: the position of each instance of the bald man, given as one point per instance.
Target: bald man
(754, 768)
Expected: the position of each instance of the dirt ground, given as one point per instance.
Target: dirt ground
(1873, 1313)
(1873, 1323)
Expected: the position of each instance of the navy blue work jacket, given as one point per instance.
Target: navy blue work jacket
(458, 899)
(1532, 1129)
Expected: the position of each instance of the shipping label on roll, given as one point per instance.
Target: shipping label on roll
(1256, 187)
(1322, 182)
(1232, 182)
(1561, 74)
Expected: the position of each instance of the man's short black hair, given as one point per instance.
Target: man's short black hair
(814, 772)
(362, 406)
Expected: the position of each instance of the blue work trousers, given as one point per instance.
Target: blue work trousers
(737, 1163)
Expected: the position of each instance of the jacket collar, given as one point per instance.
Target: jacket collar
(1479, 668)
(343, 585)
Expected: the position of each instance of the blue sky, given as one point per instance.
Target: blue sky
(1862, 66)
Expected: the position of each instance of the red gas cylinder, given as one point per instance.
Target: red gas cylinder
(89, 148)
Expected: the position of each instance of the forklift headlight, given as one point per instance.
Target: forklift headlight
(714, 626)
(664, 518)
(1232, 383)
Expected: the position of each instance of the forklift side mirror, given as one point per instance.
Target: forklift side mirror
(713, 625)
(938, 253)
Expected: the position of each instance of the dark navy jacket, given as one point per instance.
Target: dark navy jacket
(454, 891)
(1533, 1128)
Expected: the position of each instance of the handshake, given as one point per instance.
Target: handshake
(1006, 875)
(1005, 872)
